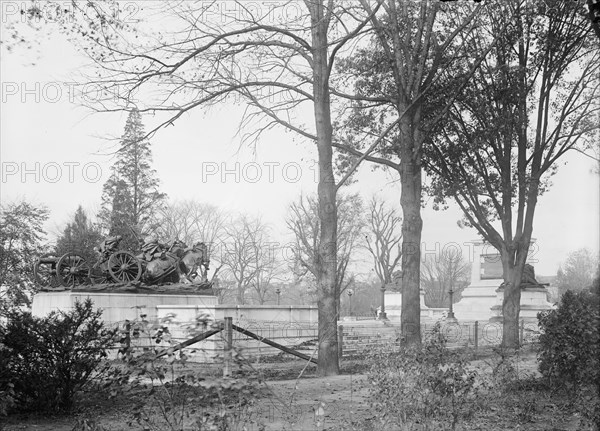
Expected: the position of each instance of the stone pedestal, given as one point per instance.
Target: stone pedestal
(393, 305)
(476, 301)
(117, 306)
(533, 300)
(479, 297)
(482, 299)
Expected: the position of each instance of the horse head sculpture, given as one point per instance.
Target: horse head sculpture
(195, 258)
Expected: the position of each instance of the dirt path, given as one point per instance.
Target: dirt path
(315, 403)
(302, 404)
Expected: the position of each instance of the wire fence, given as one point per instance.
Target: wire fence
(358, 336)
(354, 337)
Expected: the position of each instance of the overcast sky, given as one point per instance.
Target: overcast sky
(54, 152)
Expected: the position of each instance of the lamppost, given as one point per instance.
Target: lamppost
(382, 315)
(350, 292)
(451, 317)
(278, 292)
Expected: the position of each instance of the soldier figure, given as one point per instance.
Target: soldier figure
(109, 246)
(153, 249)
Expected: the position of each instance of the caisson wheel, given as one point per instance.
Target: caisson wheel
(124, 267)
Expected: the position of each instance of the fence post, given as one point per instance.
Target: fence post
(476, 335)
(340, 341)
(227, 346)
(521, 330)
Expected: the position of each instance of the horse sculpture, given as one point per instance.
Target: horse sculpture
(176, 262)
(194, 259)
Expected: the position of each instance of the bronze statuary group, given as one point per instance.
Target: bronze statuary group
(155, 264)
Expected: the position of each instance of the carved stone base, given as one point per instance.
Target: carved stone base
(533, 300)
(476, 301)
(120, 305)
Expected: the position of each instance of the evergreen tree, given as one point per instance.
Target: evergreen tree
(79, 236)
(131, 197)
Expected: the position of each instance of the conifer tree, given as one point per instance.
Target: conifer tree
(130, 196)
(79, 236)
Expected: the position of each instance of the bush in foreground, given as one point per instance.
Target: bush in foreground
(569, 342)
(569, 346)
(171, 395)
(47, 360)
(427, 384)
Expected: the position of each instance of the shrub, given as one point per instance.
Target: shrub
(569, 340)
(173, 396)
(48, 359)
(427, 384)
(569, 346)
(7, 393)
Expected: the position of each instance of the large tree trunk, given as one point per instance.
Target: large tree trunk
(512, 298)
(326, 259)
(511, 304)
(412, 224)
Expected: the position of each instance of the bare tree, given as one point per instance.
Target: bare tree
(383, 239)
(442, 273)
(304, 223)
(248, 257)
(222, 288)
(192, 221)
(268, 272)
(578, 271)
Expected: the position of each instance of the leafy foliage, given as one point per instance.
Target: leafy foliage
(570, 339)
(484, 159)
(569, 349)
(21, 234)
(514, 391)
(428, 384)
(176, 398)
(493, 157)
(40, 20)
(130, 197)
(7, 388)
(48, 359)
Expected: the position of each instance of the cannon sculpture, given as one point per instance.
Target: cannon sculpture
(68, 270)
(156, 263)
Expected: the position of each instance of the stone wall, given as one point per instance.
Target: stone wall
(186, 315)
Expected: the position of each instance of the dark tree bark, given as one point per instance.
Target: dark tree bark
(327, 257)
(405, 62)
